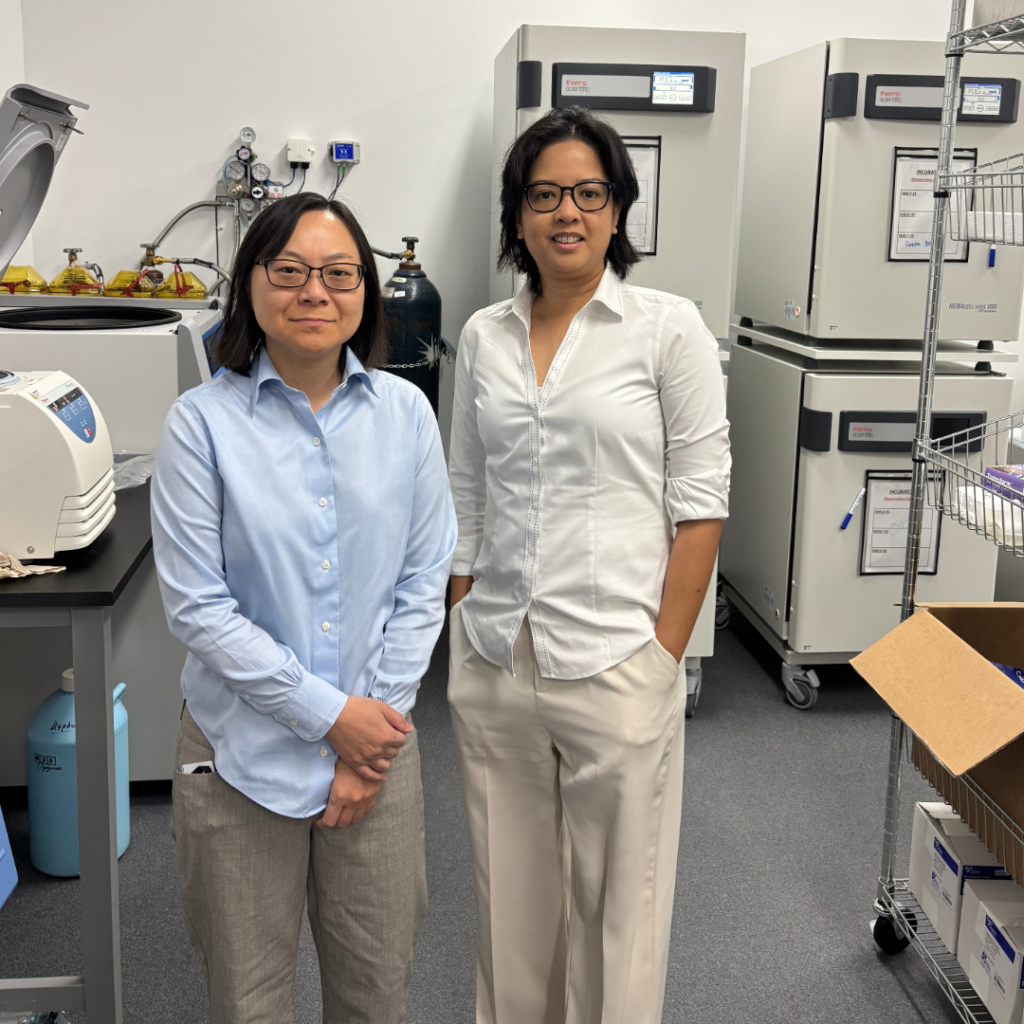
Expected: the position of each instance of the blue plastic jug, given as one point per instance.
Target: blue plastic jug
(53, 780)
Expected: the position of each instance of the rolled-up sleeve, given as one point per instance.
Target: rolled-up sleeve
(187, 506)
(466, 461)
(414, 625)
(693, 404)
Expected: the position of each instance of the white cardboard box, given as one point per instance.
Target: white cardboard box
(991, 949)
(944, 854)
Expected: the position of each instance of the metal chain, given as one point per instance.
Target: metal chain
(408, 366)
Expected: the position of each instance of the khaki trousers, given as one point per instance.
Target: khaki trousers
(247, 872)
(573, 793)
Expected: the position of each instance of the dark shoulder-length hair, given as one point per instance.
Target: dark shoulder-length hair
(240, 335)
(559, 126)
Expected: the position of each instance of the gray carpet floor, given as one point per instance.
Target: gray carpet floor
(777, 870)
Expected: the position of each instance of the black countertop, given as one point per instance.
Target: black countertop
(97, 575)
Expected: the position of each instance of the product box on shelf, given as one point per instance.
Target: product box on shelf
(1008, 480)
(991, 947)
(966, 717)
(944, 855)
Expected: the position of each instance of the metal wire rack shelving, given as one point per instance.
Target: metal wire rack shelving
(986, 204)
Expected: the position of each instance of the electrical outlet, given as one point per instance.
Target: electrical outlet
(300, 151)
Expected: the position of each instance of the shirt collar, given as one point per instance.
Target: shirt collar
(609, 294)
(265, 371)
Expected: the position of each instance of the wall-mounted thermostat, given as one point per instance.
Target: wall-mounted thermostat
(346, 153)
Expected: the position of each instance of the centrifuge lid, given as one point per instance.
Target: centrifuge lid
(85, 316)
(34, 126)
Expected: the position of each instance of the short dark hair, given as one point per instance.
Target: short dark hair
(239, 335)
(558, 126)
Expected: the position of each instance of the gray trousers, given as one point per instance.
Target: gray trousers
(247, 872)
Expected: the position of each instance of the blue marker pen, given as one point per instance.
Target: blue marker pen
(853, 508)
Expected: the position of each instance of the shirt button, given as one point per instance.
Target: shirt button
(246, 696)
(323, 751)
(323, 503)
(293, 723)
(326, 627)
(316, 442)
(325, 564)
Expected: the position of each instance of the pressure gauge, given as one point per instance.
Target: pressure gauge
(235, 170)
(244, 153)
(247, 135)
(260, 172)
(247, 205)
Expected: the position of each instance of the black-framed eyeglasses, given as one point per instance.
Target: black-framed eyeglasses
(589, 196)
(339, 277)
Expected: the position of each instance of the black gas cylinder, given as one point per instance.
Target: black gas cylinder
(412, 319)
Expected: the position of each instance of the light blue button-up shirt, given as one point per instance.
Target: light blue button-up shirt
(302, 558)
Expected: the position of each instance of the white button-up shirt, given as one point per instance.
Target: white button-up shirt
(566, 495)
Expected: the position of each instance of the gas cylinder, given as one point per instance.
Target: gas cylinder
(53, 780)
(412, 319)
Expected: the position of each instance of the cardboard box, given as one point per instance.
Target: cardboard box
(991, 947)
(967, 717)
(943, 856)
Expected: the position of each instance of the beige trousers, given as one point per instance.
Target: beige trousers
(246, 874)
(575, 935)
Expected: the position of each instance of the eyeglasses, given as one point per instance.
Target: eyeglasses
(338, 277)
(589, 196)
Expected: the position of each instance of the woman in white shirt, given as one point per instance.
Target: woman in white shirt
(589, 427)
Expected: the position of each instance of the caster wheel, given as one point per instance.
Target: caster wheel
(723, 612)
(801, 686)
(694, 678)
(887, 936)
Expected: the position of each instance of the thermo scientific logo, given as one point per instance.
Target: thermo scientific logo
(575, 85)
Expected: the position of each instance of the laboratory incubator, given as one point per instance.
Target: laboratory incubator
(676, 99)
(824, 369)
(58, 465)
(842, 144)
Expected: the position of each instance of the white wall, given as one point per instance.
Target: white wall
(411, 82)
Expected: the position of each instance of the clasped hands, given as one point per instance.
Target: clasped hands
(367, 736)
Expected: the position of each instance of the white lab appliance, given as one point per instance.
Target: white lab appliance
(823, 375)
(134, 359)
(836, 220)
(58, 465)
(676, 99)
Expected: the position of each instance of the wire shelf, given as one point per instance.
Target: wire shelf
(1000, 833)
(963, 481)
(1006, 36)
(941, 964)
(986, 203)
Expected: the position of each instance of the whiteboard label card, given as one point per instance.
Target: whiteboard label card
(673, 87)
(913, 205)
(642, 222)
(886, 519)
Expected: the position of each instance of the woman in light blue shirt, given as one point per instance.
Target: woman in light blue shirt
(303, 530)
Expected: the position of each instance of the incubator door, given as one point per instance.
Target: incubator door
(846, 584)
